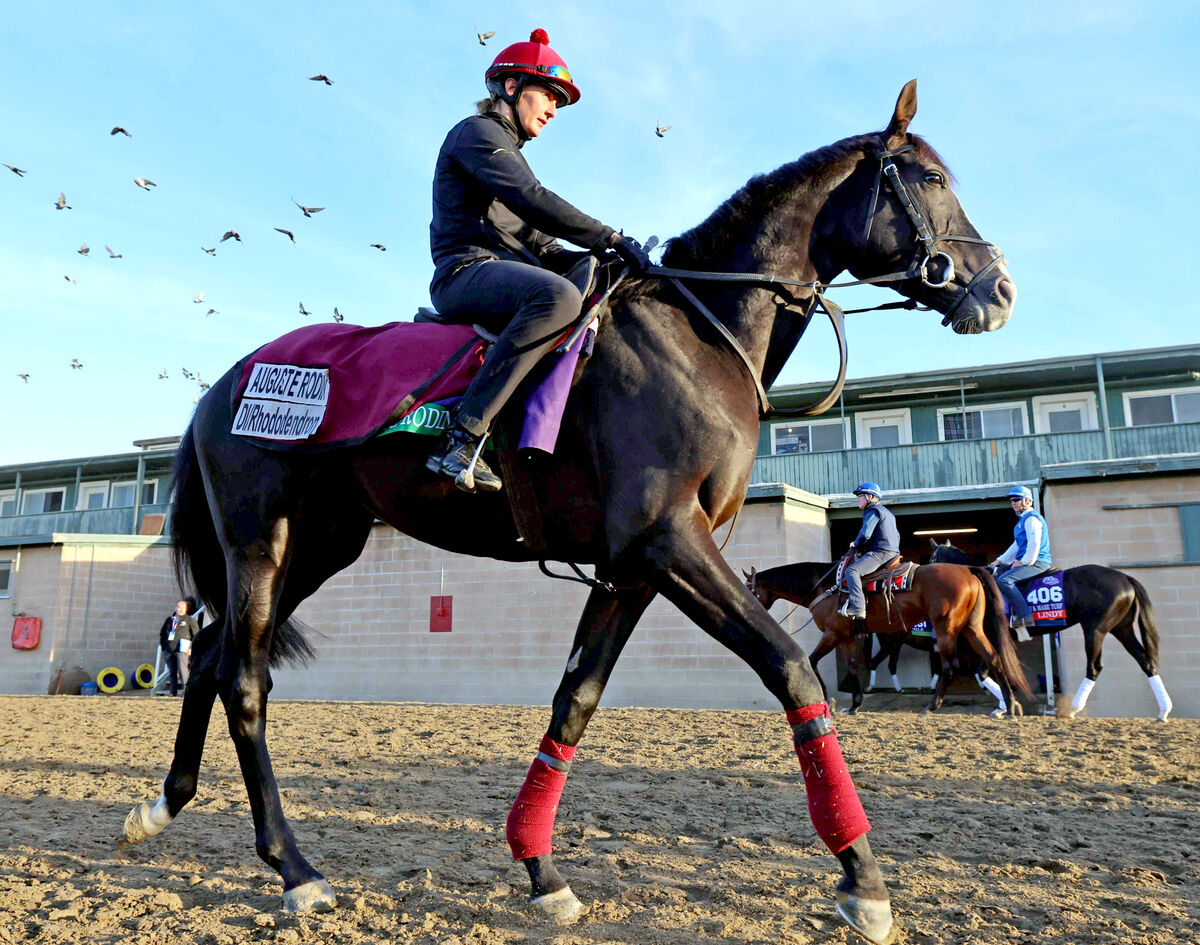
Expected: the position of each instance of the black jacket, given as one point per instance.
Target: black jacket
(488, 205)
(186, 629)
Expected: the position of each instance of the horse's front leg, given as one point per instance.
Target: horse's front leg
(607, 621)
(687, 568)
(853, 668)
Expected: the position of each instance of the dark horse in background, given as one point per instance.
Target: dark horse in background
(959, 603)
(655, 453)
(1102, 601)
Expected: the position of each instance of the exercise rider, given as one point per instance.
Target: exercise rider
(878, 542)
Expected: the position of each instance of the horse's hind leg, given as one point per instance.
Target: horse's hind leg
(179, 786)
(607, 621)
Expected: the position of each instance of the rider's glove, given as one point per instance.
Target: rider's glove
(631, 251)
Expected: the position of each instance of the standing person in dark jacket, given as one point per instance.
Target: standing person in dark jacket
(178, 627)
(494, 238)
(878, 542)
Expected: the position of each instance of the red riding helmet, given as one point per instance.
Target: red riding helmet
(532, 60)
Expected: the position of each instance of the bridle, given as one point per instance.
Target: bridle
(918, 269)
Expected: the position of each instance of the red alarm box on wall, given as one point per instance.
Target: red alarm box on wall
(27, 631)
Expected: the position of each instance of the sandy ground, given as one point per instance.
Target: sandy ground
(677, 827)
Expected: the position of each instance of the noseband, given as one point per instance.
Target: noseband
(925, 235)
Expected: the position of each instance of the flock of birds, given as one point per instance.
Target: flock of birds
(146, 184)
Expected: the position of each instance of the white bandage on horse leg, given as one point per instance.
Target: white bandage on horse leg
(871, 684)
(1081, 694)
(986, 682)
(1160, 694)
(896, 682)
(145, 821)
(933, 681)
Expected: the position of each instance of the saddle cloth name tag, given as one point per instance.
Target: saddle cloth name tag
(1045, 597)
(429, 419)
(283, 402)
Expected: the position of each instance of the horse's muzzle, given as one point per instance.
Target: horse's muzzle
(987, 307)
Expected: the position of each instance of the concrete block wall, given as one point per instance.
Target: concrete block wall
(1082, 532)
(101, 604)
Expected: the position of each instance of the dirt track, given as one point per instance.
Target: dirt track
(677, 827)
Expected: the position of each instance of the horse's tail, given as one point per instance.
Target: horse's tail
(1145, 623)
(998, 634)
(200, 561)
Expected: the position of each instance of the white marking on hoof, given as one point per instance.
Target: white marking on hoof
(313, 896)
(871, 684)
(145, 821)
(997, 713)
(870, 918)
(1163, 716)
(896, 682)
(561, 906)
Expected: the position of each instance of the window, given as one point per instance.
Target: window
(6, 570)
(814, 437)
(1162, 406)
(982, 422)
(8, 503)
(1065, 413)
(123, 492)
(1189, 524)
(92, 495)
(37, 501)
(883, 427)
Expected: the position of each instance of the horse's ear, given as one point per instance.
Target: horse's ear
(906, 107)
(933, 541)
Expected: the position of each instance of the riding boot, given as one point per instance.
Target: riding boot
(453, 457)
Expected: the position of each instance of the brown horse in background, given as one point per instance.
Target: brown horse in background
(958, 601)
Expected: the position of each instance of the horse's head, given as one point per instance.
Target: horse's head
(896, 214)
(947, 553)
(764, 596)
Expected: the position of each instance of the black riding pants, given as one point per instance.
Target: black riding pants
(530, 307)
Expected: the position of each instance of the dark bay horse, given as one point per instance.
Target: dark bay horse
(1102, 601)
(655, 453)
(959, 602)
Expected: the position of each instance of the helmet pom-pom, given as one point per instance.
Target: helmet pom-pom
(539, 36)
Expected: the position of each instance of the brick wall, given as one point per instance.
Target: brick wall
(101, 605)
(1084, 533)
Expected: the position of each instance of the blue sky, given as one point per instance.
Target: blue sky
(1072, 128)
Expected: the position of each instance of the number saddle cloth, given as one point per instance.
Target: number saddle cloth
(333, 385)
(1044, 593)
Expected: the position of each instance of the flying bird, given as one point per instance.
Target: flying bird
(61, 203)
(308, 211)
(15, 170)
(83, 250)
(70, 279)
(211, 311)
(76, 364)
(660, 128)
(162, 375)
(211, 252)
(337, 316)
(199, 297)
(321, 77)
(303, 310)
(229, 234)
(120, 130)
(203, 384)
(188, 374)
(484, 37)
(287, 233)
(380, 247)
(111, 254)
(24, 377)
(143, 183)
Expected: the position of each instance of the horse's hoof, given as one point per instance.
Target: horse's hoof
(997, 713)
(870, 918)
(145, 821)
(1163, 716)
(560, 906)
(314, 896)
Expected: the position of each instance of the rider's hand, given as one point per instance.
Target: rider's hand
(631, 251)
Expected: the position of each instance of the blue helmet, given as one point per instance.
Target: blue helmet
(869, 488)
(1020, 492)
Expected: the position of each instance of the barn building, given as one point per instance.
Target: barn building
(1109, 444)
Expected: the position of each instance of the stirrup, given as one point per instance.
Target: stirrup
(465, 480)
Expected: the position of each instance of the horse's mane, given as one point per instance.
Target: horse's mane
(727, 223)
(796, 579)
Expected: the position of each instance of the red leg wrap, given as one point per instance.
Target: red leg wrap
(531, 820)
(833, 803)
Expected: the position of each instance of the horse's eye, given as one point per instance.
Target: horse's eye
(933, 177)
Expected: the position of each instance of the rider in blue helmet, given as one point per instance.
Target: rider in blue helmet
(878, 542)
(1028, 555)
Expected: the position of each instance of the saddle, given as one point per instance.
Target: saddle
(896, 575)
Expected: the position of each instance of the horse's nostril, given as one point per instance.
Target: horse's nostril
(1006, 291)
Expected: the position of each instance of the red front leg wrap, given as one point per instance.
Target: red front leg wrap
(531, 820)
(833, 803)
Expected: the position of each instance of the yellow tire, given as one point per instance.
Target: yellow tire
(110, 680)
(143, 676)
